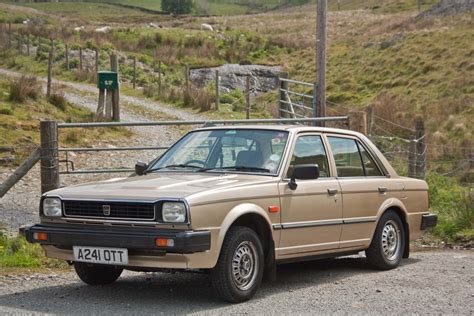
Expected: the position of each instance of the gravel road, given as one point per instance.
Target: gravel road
(427, 283)
(20, 206)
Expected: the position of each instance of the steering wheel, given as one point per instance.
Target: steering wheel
(195, 161)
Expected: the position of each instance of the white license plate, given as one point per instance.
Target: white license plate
(102, 255)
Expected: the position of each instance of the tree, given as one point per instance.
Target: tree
(177, 6)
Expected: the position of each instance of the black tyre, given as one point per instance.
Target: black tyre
(239, 270)
(93, 274)
(386, 250)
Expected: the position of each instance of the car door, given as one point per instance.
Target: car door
(364, 189)
(311, 215)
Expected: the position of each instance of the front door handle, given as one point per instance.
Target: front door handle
(332, 191)
(383, 189)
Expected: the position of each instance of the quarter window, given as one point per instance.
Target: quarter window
(309, 150)
(371, 169)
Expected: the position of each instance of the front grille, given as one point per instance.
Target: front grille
(110, 210)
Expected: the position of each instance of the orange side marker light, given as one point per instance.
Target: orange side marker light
(273, 209)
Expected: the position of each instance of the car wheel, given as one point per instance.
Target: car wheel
(93, 274)
(239, 270)
(386, 250)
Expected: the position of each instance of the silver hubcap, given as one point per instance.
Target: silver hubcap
(391, 240)
(244, 265)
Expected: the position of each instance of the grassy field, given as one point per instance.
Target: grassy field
(22, 106)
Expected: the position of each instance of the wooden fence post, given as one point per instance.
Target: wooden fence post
(38, 49)
(20, 44)
(420, 148)
(49, 156)
(80, 58)
(282, 107)
(50, 70)
(96, 60)
(217, 91)
(9, 34)
(159, 77)
(134, 72)
(247, 96)
(370, 119)
(66, 47)
(186, 77)
(28, 45)
(100, 106)
(412, 158)
(114, 66)
(358, 121)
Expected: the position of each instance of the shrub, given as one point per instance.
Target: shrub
(58, 100)
(6, 110)
(25, 87)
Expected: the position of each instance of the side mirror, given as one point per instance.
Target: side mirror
(140, 168)
(303, 172)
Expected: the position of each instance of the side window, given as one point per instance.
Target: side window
(371, 169)
(309, 150)
(347, 157)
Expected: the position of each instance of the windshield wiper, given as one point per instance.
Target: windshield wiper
(237, 168)
(173, 166)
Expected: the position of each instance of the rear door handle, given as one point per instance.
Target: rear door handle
(332, 191)
(383, 189)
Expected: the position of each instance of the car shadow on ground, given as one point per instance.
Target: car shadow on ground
(174, 293)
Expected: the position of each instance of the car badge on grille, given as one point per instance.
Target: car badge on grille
(106, 210)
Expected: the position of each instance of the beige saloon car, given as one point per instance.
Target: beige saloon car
(235, 202)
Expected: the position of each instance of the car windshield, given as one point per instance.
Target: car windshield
(230, 150)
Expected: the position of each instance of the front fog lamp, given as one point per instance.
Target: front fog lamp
(52, 207)
(173, 212)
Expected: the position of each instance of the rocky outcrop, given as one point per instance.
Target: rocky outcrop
(233, 76)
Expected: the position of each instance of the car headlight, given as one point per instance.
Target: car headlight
(52, 207)
(173, 212)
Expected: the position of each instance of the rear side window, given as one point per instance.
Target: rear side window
(347, 157)
(352, 160)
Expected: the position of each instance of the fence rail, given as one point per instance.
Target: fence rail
(50, 163)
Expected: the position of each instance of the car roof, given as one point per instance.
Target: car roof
(289, 128)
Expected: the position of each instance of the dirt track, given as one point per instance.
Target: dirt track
(427, 283)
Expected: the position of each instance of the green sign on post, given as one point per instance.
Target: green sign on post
(107, 80)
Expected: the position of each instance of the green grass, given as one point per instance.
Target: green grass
(454, 206)
(17, 252)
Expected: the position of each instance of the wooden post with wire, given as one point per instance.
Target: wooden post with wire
(247, 96)
(217, 90)
(114, 66)
(134, 72)
(159, 77)
(49, 156)
(358, 121)
(66, 54)
(9, 34)
(186, 77)
(80, 59)
(38, 50)
(370, 119)
(96, 60)
(421, 149)
(412, 158)
(28, 45)
(321, 58)
(50, 70)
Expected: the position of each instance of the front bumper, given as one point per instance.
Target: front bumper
(140, 240)
(428, 220)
